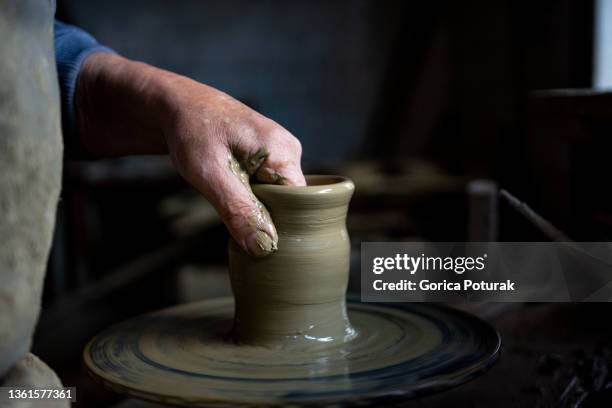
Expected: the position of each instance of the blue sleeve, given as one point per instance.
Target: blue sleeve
(72, 46)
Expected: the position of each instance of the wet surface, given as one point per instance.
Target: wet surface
(181, 354)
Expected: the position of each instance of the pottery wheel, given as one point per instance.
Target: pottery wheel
(181, 356)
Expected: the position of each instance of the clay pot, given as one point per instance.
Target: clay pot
(296, 296)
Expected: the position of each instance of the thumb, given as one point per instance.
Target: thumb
(246, 218)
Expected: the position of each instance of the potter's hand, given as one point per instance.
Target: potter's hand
(216, 142)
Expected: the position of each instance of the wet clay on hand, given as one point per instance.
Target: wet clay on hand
(264, 243)
(296, 296)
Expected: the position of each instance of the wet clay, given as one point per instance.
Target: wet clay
(290, 337)
(266, 238)
(296, 296)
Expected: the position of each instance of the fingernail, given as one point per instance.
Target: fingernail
(260, 244)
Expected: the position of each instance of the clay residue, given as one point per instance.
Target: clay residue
(264, 240)
(254, 160)
(270, 176)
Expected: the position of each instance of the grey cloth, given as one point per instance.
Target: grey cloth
(30, 167)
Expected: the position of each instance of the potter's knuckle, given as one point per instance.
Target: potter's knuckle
(296, 145)
(287, 145)
(276, 161)
(244, 133)
(271, 133)
(288, 141)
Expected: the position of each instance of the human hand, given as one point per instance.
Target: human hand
(216, 142)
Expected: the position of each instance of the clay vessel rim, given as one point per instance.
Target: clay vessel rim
(316, 184)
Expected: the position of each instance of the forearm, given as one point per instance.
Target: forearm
(122, 106)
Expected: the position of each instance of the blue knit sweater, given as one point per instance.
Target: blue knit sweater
(72, 46)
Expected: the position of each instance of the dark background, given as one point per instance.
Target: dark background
(413, 100)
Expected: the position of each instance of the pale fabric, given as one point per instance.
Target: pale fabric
(30, 174)
(30, 371)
